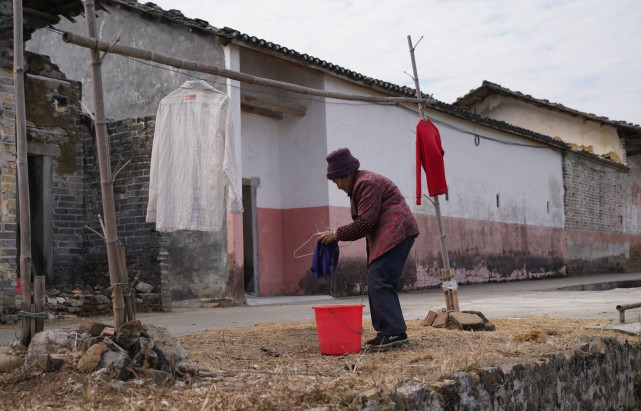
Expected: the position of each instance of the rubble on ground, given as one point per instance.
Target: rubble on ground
(10, 359)
(133, 350)
(85, 301)
(460, 320)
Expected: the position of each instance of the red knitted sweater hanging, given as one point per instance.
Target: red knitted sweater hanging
(429, 157)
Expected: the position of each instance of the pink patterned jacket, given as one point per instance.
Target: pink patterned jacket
(380, 214)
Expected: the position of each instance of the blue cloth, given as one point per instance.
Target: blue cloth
(325, 260)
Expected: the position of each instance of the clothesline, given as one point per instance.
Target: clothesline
(92, 43)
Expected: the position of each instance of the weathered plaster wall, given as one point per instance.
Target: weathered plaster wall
(286, 154)
(380, 136)
(261, 158)
(235, 242)
(131, 89)
(603, 208)
(479, 251)
(56, 130)
(519, 237)
(527, 176)
(487, 251)
(195, 263)
(602, 138)
(288, 158)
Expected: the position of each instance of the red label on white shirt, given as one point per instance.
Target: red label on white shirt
(190, 97)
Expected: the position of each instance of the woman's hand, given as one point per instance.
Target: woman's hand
(328, 237)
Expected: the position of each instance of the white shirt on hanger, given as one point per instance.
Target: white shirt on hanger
(192, 157)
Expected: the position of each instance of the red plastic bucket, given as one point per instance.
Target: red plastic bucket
(339, 328)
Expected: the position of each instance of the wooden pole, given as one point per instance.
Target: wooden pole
(38, 303)
(451, 299)
(23, 173)
(124, 277)
(106, 179)
(93, 43)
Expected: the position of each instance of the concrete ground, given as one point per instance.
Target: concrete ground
(496, 300)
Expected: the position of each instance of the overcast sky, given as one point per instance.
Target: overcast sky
(584, 54)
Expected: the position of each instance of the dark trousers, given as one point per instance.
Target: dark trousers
(383, 276)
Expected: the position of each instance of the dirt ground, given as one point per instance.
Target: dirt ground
(279, 366)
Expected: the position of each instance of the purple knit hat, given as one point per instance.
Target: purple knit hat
(341, 163)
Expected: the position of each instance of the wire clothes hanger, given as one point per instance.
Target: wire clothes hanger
(309, 239)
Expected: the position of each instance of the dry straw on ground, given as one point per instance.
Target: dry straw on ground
(279, 366)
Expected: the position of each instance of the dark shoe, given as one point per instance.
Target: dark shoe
(376, 340)
(384, 341)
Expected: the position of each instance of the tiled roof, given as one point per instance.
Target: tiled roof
(198, 25)
(65, 8)
(38, 14)
(315, 61)
(489, 88)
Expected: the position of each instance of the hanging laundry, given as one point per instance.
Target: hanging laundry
(325, 260)
(192, 159)
(429, 156)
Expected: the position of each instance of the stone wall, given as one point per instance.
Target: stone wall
(603, 374)
(603, 215)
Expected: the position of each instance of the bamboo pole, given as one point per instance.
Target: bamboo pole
(451, 298)
(93, 43)
(128, 293)
(23, 173)
(106, 178)
(38, 323)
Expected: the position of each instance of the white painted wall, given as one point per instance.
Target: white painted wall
(131, 88)
(261, 158)
(526, 176)
(382, 137)
(303, 167)
(232, 60)
(287, 155)
(571, 129)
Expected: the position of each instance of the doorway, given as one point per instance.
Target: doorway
(250, 244)
(40, 170)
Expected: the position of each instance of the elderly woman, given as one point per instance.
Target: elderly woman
(381, 215)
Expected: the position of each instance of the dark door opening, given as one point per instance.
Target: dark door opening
(40, 202)
(249, 236)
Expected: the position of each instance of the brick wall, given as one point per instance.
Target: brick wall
(8, 261)
(602, 215)
(55, 129)
(594, 194)
(54, 119)
(633, 217)
(130, 141)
